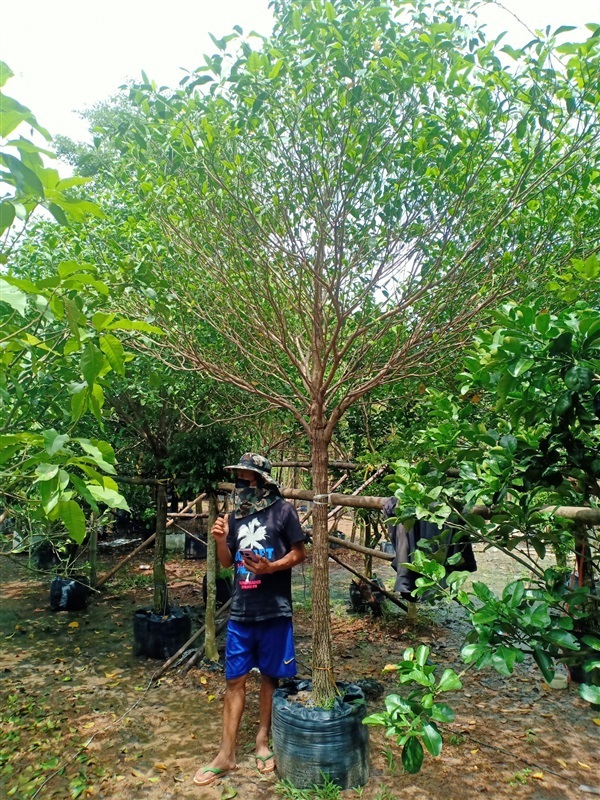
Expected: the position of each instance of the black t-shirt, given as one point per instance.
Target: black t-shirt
(269, 533)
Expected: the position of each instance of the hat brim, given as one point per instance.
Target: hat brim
(265, 475)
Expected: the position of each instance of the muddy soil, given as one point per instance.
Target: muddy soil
(80, 718)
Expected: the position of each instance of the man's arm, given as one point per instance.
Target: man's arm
(265, 567)
(219, 532)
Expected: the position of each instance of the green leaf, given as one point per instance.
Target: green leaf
(513, 593)
(91, 363)
(442, 713)
(14, 297)
(471, 652)
(449, 682)
(53, 441)
(562, 639)
(376, 719)
(590, 694)
(67, 268)
(133, 325)
(545, 663)
(7, 215)
(412, 755)
(482, 591)
(542, 322)
(422, 655)
(58, 214)
(254, 62)
(82, 487)
(113, 350)
(394, 702)
(432, 739)
(5, 73)
(73, 518)
(79, 402)
(591, 641)
(520, 366)
(485, 615)
(100, 320)
(503, 660)
(108, 496)
(46, 472)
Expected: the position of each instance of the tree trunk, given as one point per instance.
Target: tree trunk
(160, 549)
(210, 635)
(93, 551)
(586, 577)
(324, 689)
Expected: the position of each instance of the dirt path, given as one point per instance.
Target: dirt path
(75, 699)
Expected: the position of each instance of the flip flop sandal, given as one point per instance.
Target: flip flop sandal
(266, 770)
(207, 775)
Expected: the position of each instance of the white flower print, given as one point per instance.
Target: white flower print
(251, 534)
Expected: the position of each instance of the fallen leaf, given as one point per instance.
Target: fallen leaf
(538, 776)
(179, 778)
(110, 674)
(73, 624)
(476, 750)
(562, 763)
(203, 680)
(160, 766)
(585, 766)
(228, 792)
(596, 720)
(211, 697)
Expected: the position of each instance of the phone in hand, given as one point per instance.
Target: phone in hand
(249, 555)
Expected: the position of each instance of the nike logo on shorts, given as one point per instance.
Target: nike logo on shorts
(287, 662)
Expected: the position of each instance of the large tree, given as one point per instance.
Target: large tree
(346, 199)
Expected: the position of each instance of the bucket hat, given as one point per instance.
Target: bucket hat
(255, 463)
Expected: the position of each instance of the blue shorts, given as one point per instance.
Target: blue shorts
(268, 645)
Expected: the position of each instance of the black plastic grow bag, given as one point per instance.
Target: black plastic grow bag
(224, 588)
(158, 636)
(69, 594)
(310, 742)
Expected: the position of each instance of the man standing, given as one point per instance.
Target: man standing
(263, 539)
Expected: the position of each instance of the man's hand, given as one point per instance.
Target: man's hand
(262, 566)
(220, 529)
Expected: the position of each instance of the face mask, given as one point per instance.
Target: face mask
(242, 483)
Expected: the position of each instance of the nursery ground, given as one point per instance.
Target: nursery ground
(79, 718)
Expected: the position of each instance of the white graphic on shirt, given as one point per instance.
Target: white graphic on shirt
(251, 534)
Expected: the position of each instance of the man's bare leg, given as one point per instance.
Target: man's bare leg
(267, 687)
(233, 708)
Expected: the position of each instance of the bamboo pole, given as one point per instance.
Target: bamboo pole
(578, 513)
(139, 549)
(219, 625)
(308, 464)
(93, 551)
(210, 637)
(161, 602)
